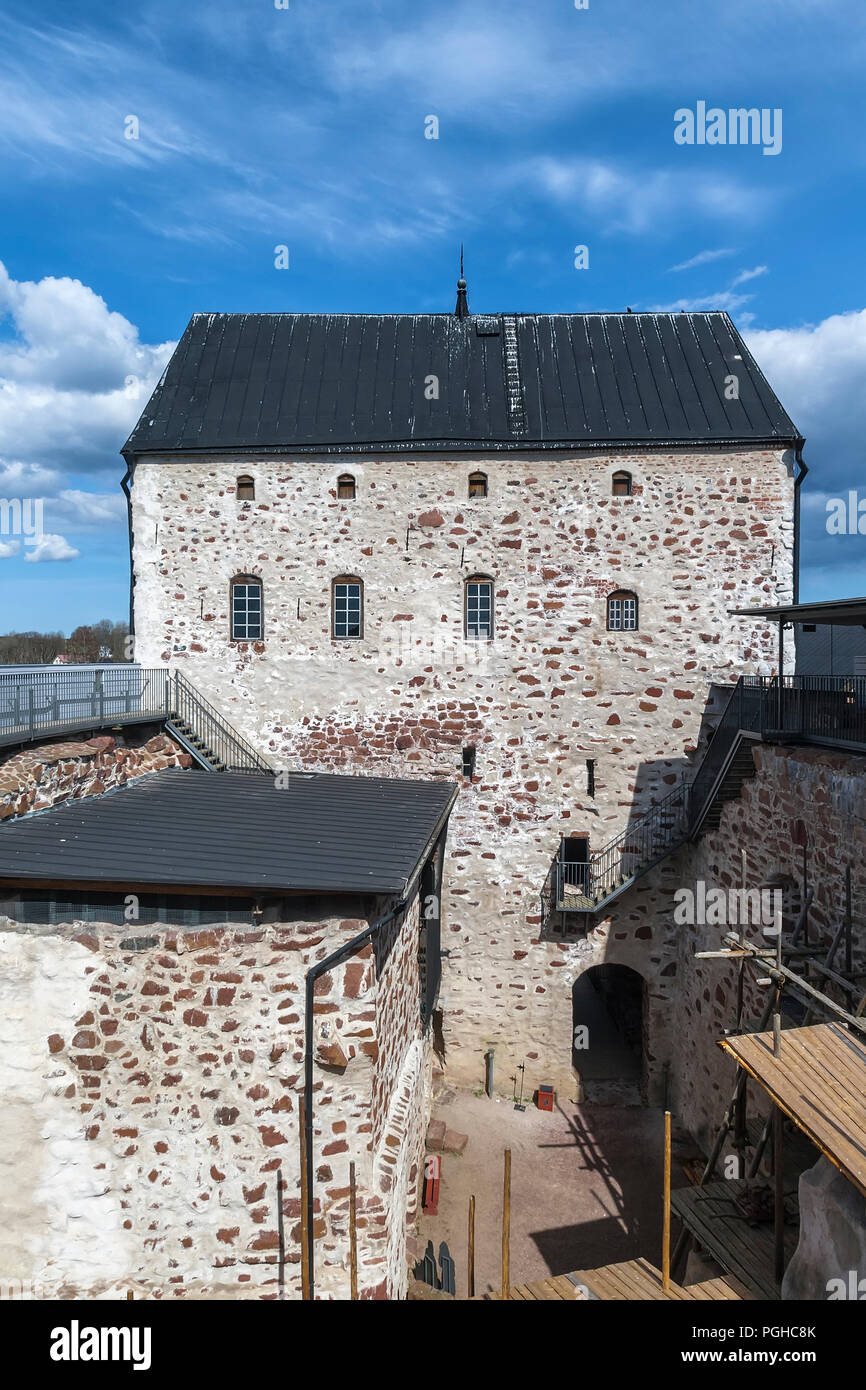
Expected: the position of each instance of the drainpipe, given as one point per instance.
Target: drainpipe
(321, 968)
(798, 455)
(125, 484)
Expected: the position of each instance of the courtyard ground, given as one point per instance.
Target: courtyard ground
(586, 1187)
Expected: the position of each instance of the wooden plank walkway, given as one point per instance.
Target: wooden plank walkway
(640, 1281)
(632, 1281)
(746, 1251)
(820, 1082)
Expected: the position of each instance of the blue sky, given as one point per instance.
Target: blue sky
(305, 127)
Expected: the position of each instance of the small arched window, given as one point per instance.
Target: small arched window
(622, 611)
(478, 609)
(345, 487)
(247, 609)
(621, 485)
(245, 488)
(347, 607)
(477, 484)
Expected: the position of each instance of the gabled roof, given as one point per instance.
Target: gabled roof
(344, 382)
(320, 833)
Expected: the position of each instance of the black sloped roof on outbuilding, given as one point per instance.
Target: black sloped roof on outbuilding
(343, 382)
(321, 833)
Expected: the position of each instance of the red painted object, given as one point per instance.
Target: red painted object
(432, 1178)
(546, 1097)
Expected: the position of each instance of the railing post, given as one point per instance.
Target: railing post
(30, 707)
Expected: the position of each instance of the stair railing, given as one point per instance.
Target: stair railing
(222, 744)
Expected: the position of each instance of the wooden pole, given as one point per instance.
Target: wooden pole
(471, 1280)
(666, 1208)
(506, 1225)
(353, 1235)
(779, 1195)
(848, 923)
(305, 1225)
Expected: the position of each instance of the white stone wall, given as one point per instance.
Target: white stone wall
(703, 532)
(151, 1131)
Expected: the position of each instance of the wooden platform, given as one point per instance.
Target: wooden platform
(747, 1252)
(639, 1281)
(633, 1281)
(819, 1081)
(558, 1289)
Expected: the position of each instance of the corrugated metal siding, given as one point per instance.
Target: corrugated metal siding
(831, 651)
(343, 381)
(321, 833)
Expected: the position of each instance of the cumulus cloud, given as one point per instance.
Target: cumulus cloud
(818, 371)
(74, 376)
(51, 547)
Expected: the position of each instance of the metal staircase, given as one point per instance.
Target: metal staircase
(203, 732)
(825, 710)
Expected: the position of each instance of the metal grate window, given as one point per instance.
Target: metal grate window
(43, 908)
(479, 610)
(347, 608)
(622, 613)
(477, 484)
(246, 610)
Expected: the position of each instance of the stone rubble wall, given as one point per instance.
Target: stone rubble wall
(704, 532)
(151, 1086)
(800, 798)
(46, 774)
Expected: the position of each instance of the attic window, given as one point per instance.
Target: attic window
(345, 487)
(621, 485)
(477, 484)
(622, 611)
(245, 488)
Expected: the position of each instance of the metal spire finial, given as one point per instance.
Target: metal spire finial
(461, 309)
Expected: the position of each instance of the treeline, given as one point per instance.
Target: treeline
(102, 641)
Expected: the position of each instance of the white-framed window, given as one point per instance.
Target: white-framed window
(347, 607)
(478, 609)
(622, 611)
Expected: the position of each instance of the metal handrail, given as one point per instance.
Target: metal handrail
(59, 698)
(827, 709)
(222, 745)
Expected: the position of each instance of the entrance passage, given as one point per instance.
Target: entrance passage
(607, 1039)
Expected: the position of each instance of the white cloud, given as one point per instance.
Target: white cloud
(51, 547)
(639, 200)
(818, 371)
(704, 258)
(746, 275)
(8, 548)
(74, 376)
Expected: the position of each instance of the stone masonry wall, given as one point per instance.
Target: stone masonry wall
(702, 533)
(150, 1089)
(66, 769)
(800, 799)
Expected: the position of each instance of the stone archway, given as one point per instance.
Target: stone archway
(609, 1022)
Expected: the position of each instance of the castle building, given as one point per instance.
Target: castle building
(498, 549)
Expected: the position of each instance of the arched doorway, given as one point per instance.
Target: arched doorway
(608, 1020)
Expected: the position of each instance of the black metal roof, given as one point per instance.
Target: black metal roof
(321, 833)
(840, 612)
(359, 382)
